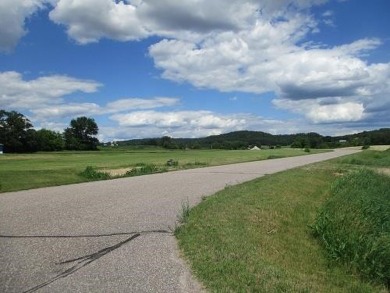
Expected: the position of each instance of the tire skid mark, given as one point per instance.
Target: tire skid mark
(84, 261)
(84, 236)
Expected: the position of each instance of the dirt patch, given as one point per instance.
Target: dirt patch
(381, 148)
(385, 171)
(116, 172)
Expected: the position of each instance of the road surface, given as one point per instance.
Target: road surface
(112, 236)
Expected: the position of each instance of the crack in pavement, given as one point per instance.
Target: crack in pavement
(84, 261)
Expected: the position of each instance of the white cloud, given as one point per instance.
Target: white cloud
(248, 46)
(90, 20)
(13, 14)
(326, 110)
(336, 113)
(66, 110)
(189, 120)
(140, 124)
(15, 92)
(137, 103)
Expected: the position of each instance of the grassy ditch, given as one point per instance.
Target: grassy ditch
(354, 224)
(257, 236)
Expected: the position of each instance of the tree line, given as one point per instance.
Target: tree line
(17, 135)
(246, 139)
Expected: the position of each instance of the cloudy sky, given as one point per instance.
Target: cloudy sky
(191, 68)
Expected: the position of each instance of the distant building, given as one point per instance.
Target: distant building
(342, 141)
(1, 148)
(255, 148)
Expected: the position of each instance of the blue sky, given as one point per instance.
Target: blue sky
(149, 68)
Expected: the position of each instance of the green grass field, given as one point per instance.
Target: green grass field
(25, 171)
(258, 236)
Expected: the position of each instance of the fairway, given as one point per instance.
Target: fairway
(26, 171)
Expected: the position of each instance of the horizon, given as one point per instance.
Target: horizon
(280, 134)
(191, 69)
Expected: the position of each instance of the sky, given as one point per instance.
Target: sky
(193, 68)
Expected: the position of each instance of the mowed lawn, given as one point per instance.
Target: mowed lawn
(26, 171)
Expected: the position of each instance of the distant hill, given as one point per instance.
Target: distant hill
(245, 139)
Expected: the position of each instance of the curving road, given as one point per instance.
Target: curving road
(112, 236)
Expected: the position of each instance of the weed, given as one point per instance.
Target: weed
(195, 164)
(354, 224)
(145, 169)
(172, 163)
(91, 174)
(184, 214)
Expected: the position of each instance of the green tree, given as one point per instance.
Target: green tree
(48, 140)
(81, 134)
(16, 133)
(168, 143)
(301, 141)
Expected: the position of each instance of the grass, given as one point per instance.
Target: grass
(184, 214)
(256, 237)
(354, 224)
(369, 158)
(26, 171)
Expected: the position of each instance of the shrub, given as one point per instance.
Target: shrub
(92, 174)
(145, 169)
(172, 163)
(354, 224)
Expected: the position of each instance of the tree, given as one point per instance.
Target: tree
(16, 133)
(168, 143)
(81, 134)
(48, 140)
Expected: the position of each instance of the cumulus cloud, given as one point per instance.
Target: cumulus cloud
(336, 113)
(66, 110)
(90, 20)
(249, 46)
(16, 92)
(13, 14)
(271, 55)
(203, 119)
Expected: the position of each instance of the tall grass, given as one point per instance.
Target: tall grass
(354, 224)
(91, 174)
(369, 158)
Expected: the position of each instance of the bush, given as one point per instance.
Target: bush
(354, 224)
(91, 173)
(145, 169)
(172, 163)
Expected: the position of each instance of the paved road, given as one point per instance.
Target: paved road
(111, 236)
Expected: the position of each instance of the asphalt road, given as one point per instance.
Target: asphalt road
(112, 236)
